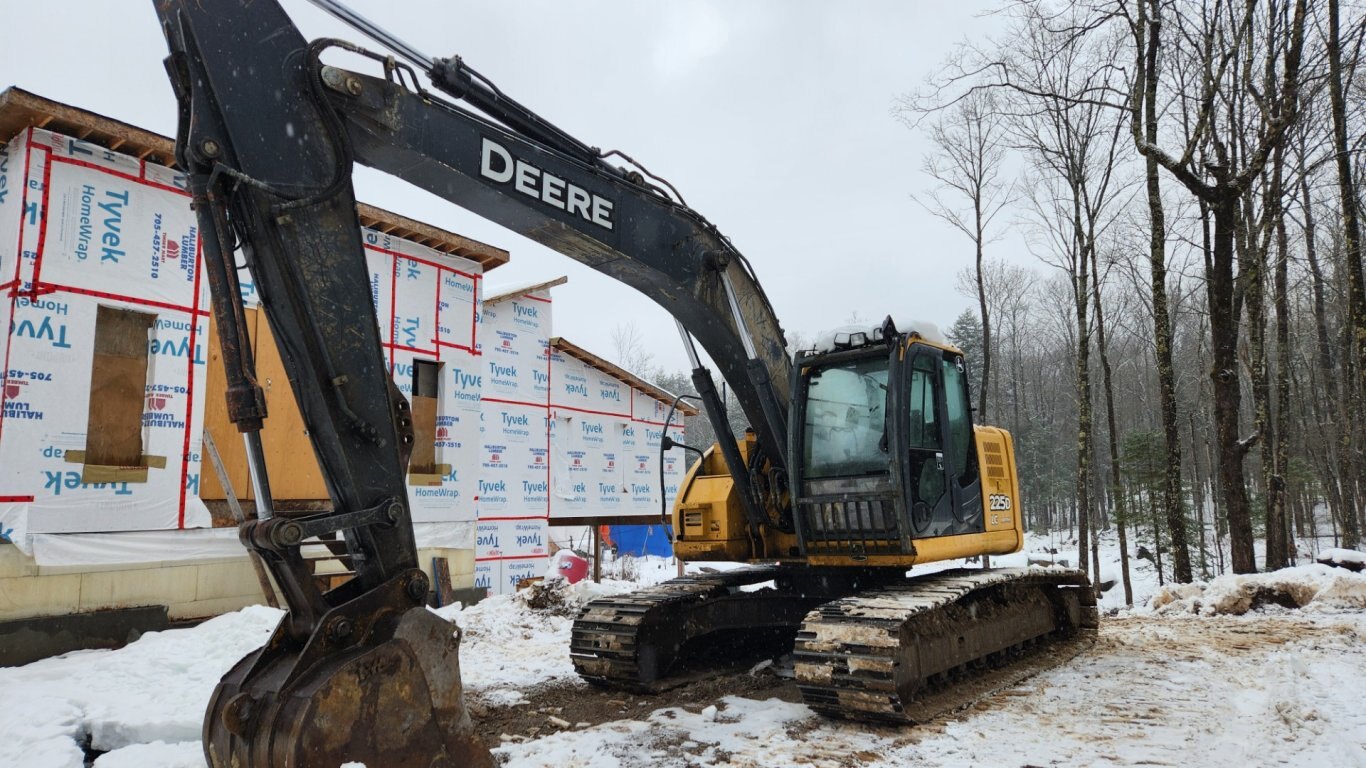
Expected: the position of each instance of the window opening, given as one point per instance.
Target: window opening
(426, 409)
(118, 398)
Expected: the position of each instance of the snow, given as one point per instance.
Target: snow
(182, 754)
(1342, 556)
(1308, 587)
(1198, 674)
(838, 338)
(1181, 691)
(153, 690)
(508, 648)
(735, 731)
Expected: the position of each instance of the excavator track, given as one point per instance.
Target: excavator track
(910, 652)
(865, 648)
(644, 641)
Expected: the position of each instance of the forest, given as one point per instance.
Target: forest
(1179, 356)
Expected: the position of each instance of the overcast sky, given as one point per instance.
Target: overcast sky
(772, 119)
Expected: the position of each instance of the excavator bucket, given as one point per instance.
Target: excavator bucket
(393, 700)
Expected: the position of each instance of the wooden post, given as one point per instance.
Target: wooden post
(441, 580)
(597, 555)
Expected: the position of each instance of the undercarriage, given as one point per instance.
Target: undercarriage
(867, 644)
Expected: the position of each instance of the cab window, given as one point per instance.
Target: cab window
(846, 419)
(959, 414)
(924, 426)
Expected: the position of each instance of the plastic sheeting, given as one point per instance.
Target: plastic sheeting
(152, 547)
(641, 540)
(136, 547)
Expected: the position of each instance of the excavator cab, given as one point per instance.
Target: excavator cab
(885, 446)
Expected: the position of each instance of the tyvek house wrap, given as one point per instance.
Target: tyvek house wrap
(82, 227)
(514, 475)
(427, 304)
(605, 437)
(561, 439)
(427, 307)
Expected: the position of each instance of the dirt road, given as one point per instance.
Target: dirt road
(1277, 689)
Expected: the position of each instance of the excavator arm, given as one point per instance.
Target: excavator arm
(508, 165)
(268, 135)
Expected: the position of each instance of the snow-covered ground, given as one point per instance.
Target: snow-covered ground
(1214, 674)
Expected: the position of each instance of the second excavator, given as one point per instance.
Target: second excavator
(862, 462)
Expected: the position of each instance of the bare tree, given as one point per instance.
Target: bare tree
(1351, 236)
(1008, 289)
(632, 352)
(1216, 39)
(1074, 148)
(966, 170)
(1208, 92)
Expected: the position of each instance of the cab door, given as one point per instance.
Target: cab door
(964, 479)
(943, 492)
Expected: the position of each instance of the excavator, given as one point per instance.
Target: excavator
(862, 460)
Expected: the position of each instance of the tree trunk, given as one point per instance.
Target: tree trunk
(1157, 263)
(1227, 391)
(1083, 373)
(1273, 488)
(1280, 425)
(1117, 490)
(1157, 537)
(1198, 499)
(986, 320)
(1354, 438)
(1336, 413)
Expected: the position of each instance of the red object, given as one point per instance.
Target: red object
(572, 567)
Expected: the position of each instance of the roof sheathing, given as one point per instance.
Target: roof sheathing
(617, 372)
(20, 109)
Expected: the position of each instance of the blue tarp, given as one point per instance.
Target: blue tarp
(639, 540)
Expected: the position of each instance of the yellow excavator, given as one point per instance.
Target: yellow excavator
(862, 461)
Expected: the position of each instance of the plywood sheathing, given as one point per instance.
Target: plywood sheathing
(20, 109)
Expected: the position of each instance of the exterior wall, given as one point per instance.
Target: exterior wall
(605, 437)
(426, 303)
(81, 228)
(561, 439)
(524, 435)
(85, 228)
(514, 471)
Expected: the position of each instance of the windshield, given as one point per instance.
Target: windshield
(846, 419)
